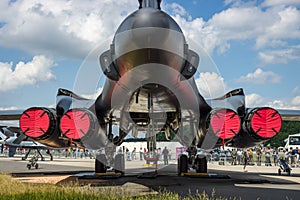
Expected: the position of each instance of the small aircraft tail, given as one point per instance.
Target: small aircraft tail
(2, 136)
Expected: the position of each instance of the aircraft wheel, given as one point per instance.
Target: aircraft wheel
(100, 163)
(29, 166)
(279, 172)
(182, 164)
(201, 164)
(36, 166)
(119, 164)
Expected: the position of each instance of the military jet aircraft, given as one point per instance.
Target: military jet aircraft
(150, 87)
(13, 141)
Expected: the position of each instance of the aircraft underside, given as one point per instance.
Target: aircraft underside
(66, 126)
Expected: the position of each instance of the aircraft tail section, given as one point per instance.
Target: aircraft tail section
(2, 136)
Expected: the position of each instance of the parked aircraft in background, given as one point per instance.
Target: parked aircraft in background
(13, 141)
(150, 87)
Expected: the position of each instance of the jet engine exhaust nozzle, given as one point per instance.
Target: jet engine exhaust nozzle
(81, 125)
(38, 122)
(76, 123)
(264, 122)
(224, 123)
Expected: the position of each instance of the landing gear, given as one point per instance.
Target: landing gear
(192, 161)
(108, 163)
(182, 164)
(201, 164)
(100, 164)
(37, 150)
(119, 164)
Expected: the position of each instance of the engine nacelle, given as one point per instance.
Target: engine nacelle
(260, 125)
(40, 124)
(224, 123)
(263, 123)
(81, 126)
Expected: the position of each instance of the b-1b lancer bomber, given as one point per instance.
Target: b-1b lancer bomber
(149, 88)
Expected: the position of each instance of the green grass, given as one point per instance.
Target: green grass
(13, 189)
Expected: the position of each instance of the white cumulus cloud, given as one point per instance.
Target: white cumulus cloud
(270, 29)
(283, 104)
(60, 27)
(254, 100)
(280, 2)
(260, 77)
(30, 73)
(280, 56)
(296, 101)
(72, 28)
(211, 85)
(8, 108)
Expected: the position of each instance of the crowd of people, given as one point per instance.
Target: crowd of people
(251, 156)
(258, 156)
(144, 154)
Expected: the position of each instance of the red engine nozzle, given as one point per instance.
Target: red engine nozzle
(76, 123)
(265, 122)
(225, 123)
(38, 122)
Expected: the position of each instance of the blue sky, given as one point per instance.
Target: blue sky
(253, 44)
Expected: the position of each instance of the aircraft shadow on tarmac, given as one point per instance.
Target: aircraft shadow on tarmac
(168, 180)
(225, 184)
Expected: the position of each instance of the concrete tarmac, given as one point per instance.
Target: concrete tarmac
(259, 182)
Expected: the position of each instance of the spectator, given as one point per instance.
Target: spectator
(245, 159)
(250, 155)
(239, 155)
(67, 152)
(286, 155)
(258, 154)
(292, 156)
(165, 154)
(86, 153)
(159, 153)
(50, 154)
(81, 153)
(74, 152)
(268, 156)
(141, 153)
(133, 154)
(128, 154)
(297, 156)
(275, 156)
(234, 153)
